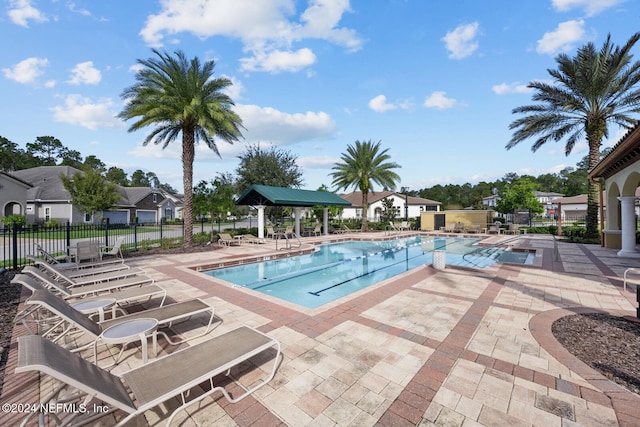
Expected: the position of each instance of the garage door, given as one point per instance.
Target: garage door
(146, 217)
(116, 217)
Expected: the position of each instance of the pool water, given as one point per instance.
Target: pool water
(339, 269)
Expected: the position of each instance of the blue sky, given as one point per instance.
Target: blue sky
(435, 81)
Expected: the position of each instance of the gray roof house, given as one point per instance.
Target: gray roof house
(47, 199)
(13, 195)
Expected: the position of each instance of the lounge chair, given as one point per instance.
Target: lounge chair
(252, 239)
(87, 289)
(405, 225)
(165, 316)
(226, 240)
(475, 229)
(459, 227)
(393, 228)
(121, 295)
(449, 228)
(148, 386)
(346, 229)
(73, 271)
(71, 279)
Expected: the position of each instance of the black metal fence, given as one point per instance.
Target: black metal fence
(19, 242)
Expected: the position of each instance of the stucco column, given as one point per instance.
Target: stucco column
(628, 216)
(297, 214)
(325, 220)
(260, 221)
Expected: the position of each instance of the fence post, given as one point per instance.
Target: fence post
(14, 228)
(135, 235)
(160, 229)
(106, 233)
(68, 238)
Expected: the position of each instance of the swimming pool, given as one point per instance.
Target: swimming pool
(339, 269)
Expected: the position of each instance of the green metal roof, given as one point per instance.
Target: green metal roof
(279, 196)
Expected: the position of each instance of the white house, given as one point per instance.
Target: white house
(409, 205)
(545, 198)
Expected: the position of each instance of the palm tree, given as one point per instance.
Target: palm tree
(361, 167)
(589, 92)
(179, 96)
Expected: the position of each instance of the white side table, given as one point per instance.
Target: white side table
(96, 305)
(129, 331)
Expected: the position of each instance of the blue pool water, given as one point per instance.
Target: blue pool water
(339, 269)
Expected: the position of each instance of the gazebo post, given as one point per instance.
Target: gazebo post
(296, 211)
(325, 220)
(260, 221)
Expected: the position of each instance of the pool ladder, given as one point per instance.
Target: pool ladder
(288, 242)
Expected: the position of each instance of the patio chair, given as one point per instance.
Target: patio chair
(449, 228)
(513, 229)
(148, 386)
(165, 316)
(475, 229)
(270, 231)
(87, 251)
(405, 225)
(317, 230)
(459, 227)
(115, 250)
(226, 240)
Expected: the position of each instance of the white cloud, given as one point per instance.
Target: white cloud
(380, 105)
(266, 29)
(317, 162)
(591, 7)
(27, 70)
(21, 11)
(82, 111)
(278, 60)
(85, 73)
(562, 38)
(461, 41)
(504, 88)
(268, 125)
(439, 100)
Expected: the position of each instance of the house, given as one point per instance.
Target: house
(545, 198)
(47, 199)
(13, 195)
(404, 205)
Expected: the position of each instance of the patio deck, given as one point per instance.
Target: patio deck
(455, 347)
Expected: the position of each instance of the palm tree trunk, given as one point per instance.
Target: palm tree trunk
(365, 210)
(594, 139)
(188, 154)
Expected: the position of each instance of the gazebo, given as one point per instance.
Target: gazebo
(260, 196)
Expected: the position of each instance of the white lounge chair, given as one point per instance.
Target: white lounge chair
(121, 294)
(165, 316)
(71, 280)
(226, 240)
(148, 386)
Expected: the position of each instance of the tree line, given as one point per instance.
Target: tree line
(50, 151)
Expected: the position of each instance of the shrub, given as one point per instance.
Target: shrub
(19, 220)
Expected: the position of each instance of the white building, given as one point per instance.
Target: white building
(412, 206)
(545, 198)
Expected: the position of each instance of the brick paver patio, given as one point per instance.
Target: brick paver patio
(453, 347)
